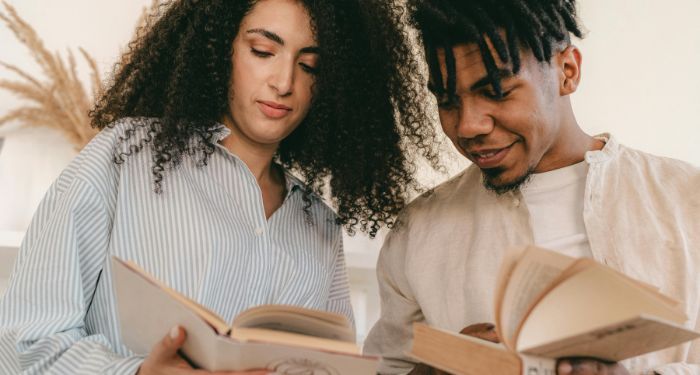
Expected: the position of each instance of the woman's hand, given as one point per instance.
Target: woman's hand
(164, 359)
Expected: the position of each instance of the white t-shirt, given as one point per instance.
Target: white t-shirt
(555, 202)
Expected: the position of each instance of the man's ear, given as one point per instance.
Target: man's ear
(569, 63)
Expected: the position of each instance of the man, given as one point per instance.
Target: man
(503, 72)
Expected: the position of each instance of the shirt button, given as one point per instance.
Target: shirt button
(259, 231)
(516, 202)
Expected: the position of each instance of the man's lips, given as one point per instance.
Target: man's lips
(489, 157)
(272, 109)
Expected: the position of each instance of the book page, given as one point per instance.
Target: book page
(297, 320)
(260, 311)
(294, 339)
(595, 297)
(534, 273)
(508, 263)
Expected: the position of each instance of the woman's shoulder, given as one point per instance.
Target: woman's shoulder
(96, 164)
(124, 132)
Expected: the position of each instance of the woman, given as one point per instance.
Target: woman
(213, 108)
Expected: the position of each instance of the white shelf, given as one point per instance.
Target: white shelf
(9, 247)
(11, 239)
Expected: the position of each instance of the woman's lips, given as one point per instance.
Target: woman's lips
(273, 110)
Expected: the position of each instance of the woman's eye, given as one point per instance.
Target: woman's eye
(308, 68)
(259, 53)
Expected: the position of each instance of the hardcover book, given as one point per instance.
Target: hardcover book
(549, 306)
(286, 339)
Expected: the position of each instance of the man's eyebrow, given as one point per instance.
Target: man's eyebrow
(501, 73)
(267, 34)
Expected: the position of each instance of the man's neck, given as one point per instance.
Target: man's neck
(571, 145)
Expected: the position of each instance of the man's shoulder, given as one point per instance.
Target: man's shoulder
(658, 168)
(452, 193)
(668, 179)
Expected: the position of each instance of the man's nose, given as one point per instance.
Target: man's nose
(473, 121)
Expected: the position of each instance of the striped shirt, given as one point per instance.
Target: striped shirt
(205, 235)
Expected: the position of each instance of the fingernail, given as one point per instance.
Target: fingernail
(564, 368)
(174, 332)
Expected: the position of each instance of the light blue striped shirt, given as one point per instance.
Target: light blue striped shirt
(206, 235)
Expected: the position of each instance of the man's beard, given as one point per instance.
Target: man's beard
(492, 173)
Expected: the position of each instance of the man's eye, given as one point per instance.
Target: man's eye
(490, 94)
(447, 102)
(259, 53)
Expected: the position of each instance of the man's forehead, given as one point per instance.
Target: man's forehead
(468, 56)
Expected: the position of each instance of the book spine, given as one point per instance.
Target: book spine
(532, 365)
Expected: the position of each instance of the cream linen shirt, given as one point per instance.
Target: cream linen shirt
(439, 265)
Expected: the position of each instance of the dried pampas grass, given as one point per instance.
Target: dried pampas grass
(58, 99)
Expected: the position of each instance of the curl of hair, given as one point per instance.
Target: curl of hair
(358, 139)
(537, 25)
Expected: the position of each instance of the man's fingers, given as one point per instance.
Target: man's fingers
(581, 366)
(248, 372)
(484, 331)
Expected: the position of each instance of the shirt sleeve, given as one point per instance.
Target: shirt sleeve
(42, 314)
(339, 292)
(392, 335)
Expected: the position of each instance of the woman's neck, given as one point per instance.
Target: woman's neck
(256, 156)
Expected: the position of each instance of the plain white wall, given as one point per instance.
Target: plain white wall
(639, 82)
(640, 76)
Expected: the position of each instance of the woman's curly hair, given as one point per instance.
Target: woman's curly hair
(367, 121)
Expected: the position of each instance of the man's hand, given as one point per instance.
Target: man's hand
(484, 331)
(589, 366)
(164, 359)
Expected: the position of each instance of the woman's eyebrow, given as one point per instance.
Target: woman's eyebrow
(278, 39)
(267, 34)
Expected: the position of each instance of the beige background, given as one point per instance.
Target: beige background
(640, 82)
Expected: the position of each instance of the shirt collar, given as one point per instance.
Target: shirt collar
(220, 131)
(608, 151)
(293, 183)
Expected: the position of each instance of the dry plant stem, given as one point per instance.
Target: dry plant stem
(57, 100)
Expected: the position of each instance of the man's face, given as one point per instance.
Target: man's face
(508, 137)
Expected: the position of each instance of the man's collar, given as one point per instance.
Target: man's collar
(608, 151)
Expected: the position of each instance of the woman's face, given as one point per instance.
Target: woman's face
(274, 63)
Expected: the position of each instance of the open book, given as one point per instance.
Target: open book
(548, 306)
(277, 337)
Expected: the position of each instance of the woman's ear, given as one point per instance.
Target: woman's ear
(569, 63)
